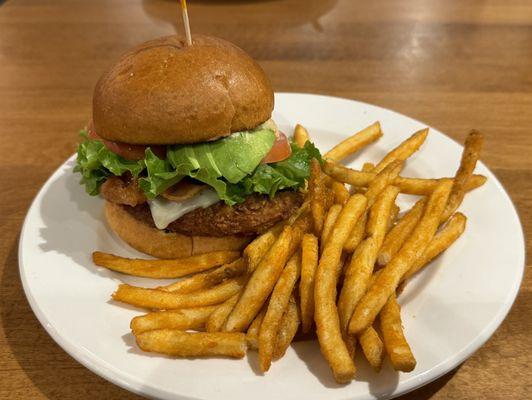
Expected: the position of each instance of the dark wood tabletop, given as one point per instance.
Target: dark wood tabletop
(453, 64)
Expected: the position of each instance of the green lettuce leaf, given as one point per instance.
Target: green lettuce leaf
(96, 162)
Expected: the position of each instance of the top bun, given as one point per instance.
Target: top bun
(164, 92)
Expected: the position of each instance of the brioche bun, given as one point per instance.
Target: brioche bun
(165, 92)
(160, 244)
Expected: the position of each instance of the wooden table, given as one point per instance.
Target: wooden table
(453, 64)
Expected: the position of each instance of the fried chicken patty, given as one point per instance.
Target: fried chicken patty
(256, 214)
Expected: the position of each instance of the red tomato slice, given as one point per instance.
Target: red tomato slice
(280, 151)
(126, 150)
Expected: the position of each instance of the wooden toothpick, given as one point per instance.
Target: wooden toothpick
(185, 22)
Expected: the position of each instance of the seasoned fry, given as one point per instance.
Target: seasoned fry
(287, 329)
(261, 283)
(276, 307)
(358, 273)
(441, 242)
(326, 315)
(252, 335)
(378, 293)
(416, 186)
(368, 167)
(393, 217)
(372, 347)
(160, 299)
(309, 264)
(381, 181)
(316, 191)
(470, 156)
(330, 219)
(184, 319)
(404, 150)
(301, 135)
(184, 344)
(164, 268)
(217, 319)
(207, 279)
(400, 232)
(393, 336)
(341, 194)
(254, 251)
(355, 142)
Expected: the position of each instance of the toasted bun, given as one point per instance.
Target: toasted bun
(164, 92)
(157, 243)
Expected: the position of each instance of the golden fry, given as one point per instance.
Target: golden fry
(207, 279)
(287, 329)
(393, 217)
(355, 142)
(378, 293)
(252, 335)
(393, 336)
(162, 300)
(416, 186)
(358, 273)
(397, 236)
(276, 308)
(441, 241)
(184, 344)
(326, 315)
(164, 268)
(316, 191)
(330, 219)
(254, 251)
(368, 167)
(261, 283)
(470, 156)
(301, 135)
(372, 347)
(184, 319)
(217, 319)
(309, 264)
(404, 150)
(341, 194)
(381, 181)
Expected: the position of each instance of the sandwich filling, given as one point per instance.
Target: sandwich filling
(172, 181)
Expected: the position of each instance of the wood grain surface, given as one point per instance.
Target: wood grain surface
(454, 64)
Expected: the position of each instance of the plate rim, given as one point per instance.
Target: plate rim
(125, 381)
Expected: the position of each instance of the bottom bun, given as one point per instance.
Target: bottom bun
(160, 244)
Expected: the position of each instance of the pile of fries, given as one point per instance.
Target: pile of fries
(334, 268)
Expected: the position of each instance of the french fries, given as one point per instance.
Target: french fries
(378, 293)
(395, 239)
(415, 186)
(326, 314)
(207, 279)
(164, 268)
(287, 330)
(355, 142)
(289, 275)
(177, 343)
(470, 156)
(393, 336)
(217, 319)
(309, 264)
(184, 319)
(276, 307)
(372, 347)
(441, 242)
(260, 284)
(341, 194)
(403, 151)
(163, 300)
(301, 135)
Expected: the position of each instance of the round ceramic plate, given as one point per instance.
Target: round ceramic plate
(449, 310)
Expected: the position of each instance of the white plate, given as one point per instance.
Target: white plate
(449, 310)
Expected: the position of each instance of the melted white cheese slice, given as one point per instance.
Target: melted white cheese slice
(164, 212)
